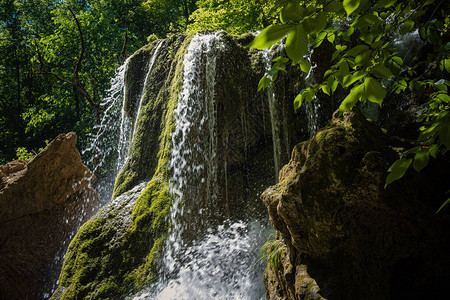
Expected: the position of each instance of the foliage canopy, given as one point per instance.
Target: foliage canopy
(366, 60)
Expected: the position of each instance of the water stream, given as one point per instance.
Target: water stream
(141, 98)
(108, 148)
(220, 262)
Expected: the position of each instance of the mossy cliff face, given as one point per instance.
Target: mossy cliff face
(114, 252)
(359, 240)
(152, 137)
(118, 251)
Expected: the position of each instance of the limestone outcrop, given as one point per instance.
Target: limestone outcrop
(358, 239)
(42, 203)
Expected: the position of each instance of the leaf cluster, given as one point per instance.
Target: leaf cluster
(365, 60)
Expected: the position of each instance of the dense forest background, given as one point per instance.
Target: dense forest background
(58, 56)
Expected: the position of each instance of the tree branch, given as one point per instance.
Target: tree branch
(75, 83)
(80, 58)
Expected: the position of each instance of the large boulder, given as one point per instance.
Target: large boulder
(42, 204)
(358, 239)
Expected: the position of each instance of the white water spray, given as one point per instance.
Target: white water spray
(111, 141)
(219, 263)
(274, 119)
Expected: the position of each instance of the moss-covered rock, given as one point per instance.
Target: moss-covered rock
(115, 252)
(358, 239)
(158, 102)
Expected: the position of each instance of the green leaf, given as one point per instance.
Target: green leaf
(407, 26)
(398, 169)
(326, 89)
(374, 90)
(263, 83)
(351, 99)
(320, 21)
(297, 44)
(341, 47)
(343, 69)
(333, 6)
(433, 150)
(298, 101)
(357, 49)
(400, 86)
(280, 59)
(381, 71)
(368, 38)
(320, 37)
(354, 77)
(334, 85)
(362, 58)
(350, 6)
(385, 3)
(305, 66)
(421, 160)
(443, 205)
(269, 36)
(443, 97)
(331, 37)
(447, 64)
(292, 12)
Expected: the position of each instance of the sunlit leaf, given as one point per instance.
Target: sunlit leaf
(398, 169)
(374, 90)
(305, 66)
(298, 101)
(331, 37)
(350, 6)
(297, 44)
(351, 99)
(326, 89)
(263, 83)
(292, 12)
(270, 35)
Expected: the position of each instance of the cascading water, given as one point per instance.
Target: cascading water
(107, 151)
(111, 141)
(204, 258)
(274, 119)
(144, 87)
(312, 108)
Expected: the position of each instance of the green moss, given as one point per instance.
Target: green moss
(109, 257)
(155, 122)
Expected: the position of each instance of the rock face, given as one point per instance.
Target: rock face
(42, 204)
(239, 122)
(359, 240)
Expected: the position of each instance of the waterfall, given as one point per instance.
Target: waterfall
(144, 87)
(312, 108)
(274, 119)
(194, 142)
(205, 258)
(108, 148)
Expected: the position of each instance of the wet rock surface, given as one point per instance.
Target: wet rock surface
(42, 204)
(358, 239)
